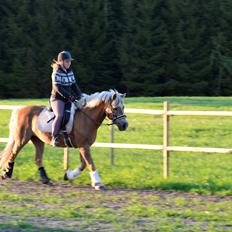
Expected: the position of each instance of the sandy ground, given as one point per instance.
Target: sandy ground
(113, 199)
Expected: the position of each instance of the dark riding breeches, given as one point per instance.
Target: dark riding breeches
(58, 109)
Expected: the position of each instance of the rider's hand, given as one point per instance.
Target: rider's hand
(72, 98)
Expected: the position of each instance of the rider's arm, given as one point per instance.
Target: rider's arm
(61, 90)
(76, 90)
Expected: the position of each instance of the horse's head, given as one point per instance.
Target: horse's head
(115, 111)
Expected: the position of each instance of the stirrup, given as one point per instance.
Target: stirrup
(67, 139)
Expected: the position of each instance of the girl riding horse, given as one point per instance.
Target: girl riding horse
(24, 128)
(64, 88)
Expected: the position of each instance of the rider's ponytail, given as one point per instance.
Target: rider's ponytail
(54, 65)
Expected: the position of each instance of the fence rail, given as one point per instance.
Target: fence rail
(166, 113)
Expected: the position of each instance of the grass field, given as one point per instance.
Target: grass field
(195, 173)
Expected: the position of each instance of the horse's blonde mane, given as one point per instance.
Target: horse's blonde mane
(95, 99)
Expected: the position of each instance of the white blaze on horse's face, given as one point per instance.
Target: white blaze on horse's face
(115, 111)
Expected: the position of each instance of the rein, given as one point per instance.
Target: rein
(105, 124)
(113, 120)
(96, 123)
(78, 107)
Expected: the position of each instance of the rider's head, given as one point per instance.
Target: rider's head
(64, 59)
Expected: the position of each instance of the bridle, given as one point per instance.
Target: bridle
(113, 116)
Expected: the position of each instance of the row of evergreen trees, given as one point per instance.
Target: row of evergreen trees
(142, 47)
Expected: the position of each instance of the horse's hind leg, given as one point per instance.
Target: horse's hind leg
(39, 149)
(14, 152)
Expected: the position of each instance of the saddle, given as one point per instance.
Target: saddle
(47, 116)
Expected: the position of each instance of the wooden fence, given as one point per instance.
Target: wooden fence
(166, 113)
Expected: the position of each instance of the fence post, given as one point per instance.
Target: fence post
(112, 141)
(66, 158)
(165, 141)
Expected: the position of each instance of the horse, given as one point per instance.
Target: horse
(23, 128)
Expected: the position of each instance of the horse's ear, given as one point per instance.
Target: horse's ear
(123, 95)
(114, 96)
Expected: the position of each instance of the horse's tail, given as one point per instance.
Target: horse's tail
(6, 153)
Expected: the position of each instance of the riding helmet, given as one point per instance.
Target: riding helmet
(64, 55)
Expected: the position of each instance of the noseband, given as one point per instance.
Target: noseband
(113, 121)
(114, 117)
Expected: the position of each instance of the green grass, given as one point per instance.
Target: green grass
(142, 169)
(70, 209)
(85, 210)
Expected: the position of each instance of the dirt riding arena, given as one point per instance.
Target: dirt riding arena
(31, 206)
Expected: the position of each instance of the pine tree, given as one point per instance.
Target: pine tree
(162, 47)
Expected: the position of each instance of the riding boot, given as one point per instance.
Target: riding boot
(55, 141)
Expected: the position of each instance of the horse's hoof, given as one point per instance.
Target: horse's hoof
(5, 176)
(65, 176)
(47, 182)
(99, 186)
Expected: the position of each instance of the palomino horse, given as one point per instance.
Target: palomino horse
(24, 127)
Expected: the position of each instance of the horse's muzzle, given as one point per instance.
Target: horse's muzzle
(122, 124)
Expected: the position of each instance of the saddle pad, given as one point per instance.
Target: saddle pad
(46, 118)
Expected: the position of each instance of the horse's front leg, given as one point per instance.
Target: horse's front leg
(72, 174)
(95, 178)
(86, 159)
